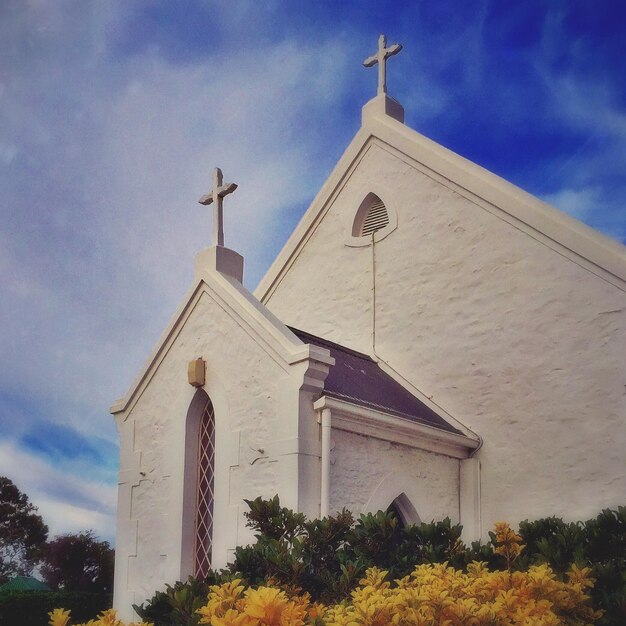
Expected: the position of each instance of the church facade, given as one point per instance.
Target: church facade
(430, 337)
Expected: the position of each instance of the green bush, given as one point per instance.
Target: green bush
(31, 608)
(599, 543)
(177, 605)
(327, 557)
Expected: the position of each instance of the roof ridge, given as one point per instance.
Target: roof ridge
(334, 344)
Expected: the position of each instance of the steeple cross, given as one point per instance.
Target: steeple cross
(381, 58)
(216, 196)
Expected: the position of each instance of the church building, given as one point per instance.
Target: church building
(431, 338)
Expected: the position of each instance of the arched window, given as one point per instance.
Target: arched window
(198, 487)
(205, 491)
(371, 217)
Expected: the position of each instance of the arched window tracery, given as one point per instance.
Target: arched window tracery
(205, 492)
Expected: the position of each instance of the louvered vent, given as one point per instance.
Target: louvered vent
(376, 218)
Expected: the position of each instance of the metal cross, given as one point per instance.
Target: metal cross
(216, 196)
(381, 58)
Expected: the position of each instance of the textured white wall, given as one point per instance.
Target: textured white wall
(255, 398)
(429, 480)
(521, 344)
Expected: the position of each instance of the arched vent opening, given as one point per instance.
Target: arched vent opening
(205, 491)
(371, 216)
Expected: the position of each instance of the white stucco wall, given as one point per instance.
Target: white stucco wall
(368, 474)
(256, 398)
(520, 343)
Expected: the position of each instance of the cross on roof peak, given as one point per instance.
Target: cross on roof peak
(381, 56)
(216, 196)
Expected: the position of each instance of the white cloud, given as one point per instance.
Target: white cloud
(103, 160)
(577, 202)
(62, 517)
(67, 503)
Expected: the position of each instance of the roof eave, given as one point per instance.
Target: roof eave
(255, 318)
(362, 420)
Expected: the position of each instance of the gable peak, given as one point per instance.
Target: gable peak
(218, 257)
(382, 104)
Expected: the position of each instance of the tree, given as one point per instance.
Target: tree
(22, 532)
(78, 562)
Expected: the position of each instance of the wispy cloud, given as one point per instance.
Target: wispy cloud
(103, 158)
(68, 503)
(577, 202)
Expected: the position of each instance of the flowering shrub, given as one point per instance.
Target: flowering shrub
(433, 595)
(326, 558)
(437, 595)
(60, 617)
(230, 605)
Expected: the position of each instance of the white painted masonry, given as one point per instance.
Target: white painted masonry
(508, 314)
(504, 316)
(429, 480)
(261, 380)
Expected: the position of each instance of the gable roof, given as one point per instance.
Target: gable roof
(356, 377)
(238, 302)
(566, 235)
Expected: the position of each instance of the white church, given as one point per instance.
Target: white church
(431, 338)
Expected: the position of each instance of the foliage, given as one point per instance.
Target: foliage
(177, 605)
(599, 543)
(229, 605)
(61, 617)
(78, 562)
(22, 532)
(326, 558)
(432, 595)
(31, 608)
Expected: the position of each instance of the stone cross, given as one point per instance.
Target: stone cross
(381, 58)
(216, 196)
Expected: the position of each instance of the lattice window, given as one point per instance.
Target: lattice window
(205, 493)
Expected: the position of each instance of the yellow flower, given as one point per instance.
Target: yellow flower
(317, 609)
(228, 591)
(580, 576)
(232, 618)
(374, 577)
(508, 543)
(109, 618)
(222, 598)
(59, 617)
(272, 608)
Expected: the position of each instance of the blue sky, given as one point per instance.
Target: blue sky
(113, 115)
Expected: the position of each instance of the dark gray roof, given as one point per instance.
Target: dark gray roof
(356, 377)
